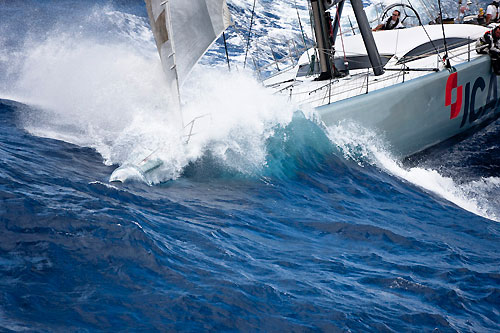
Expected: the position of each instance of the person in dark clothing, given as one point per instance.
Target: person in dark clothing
(481, 20)
(329, 23)
(490, 43)
(391, 23)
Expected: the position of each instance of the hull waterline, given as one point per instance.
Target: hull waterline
(413, 116)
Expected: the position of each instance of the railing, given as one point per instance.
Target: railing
(360, 83)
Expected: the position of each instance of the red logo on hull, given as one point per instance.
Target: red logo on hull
(450, 85)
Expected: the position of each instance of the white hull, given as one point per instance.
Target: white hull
(416, 104)
(408, 110)
(413, 115)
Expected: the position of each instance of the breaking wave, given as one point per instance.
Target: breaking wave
(108, 94)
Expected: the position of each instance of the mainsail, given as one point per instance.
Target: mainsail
(184, 30)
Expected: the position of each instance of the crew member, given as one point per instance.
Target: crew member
(481, 20)
(492, 12)
(490, 43)
(391, 23)
(329, 23)
(463, 11)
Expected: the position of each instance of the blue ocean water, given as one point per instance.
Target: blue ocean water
(273, 225)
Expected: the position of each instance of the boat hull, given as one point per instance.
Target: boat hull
(415, 115)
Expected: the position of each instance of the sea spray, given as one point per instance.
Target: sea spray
(239, 115)
(228, 119)
(110, 96)
(364, 146)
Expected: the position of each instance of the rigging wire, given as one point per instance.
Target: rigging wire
(258, 68)
(397, 33)
(302, 30)
(430, 39)
(426, 6)
(340, 31)
(249, 34)
(242, 38)
(311, 20)
(445, 58)
(227, 53)
(350, 23)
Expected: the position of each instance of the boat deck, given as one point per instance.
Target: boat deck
(303, 90)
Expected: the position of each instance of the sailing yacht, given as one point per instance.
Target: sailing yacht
(416, 87)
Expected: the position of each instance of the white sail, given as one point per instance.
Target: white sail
(184, 30)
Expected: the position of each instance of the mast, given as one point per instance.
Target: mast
(366, 33)
(322, 28)
(323, 42)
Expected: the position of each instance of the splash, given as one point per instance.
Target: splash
(108, 94)
(363, 146)
(227, 116)
(93, 90)
(239, 116)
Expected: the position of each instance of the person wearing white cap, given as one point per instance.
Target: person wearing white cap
(492, 12)
(463, 11)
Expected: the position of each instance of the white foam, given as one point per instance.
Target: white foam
(108, 95)
(478, 196)
(241, 115)
(96, 91)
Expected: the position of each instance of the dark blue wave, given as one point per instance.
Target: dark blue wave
(317, 243)
(312, 242)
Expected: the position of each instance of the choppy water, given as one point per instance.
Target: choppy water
(267, 222)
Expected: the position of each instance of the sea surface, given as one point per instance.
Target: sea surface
(265, 221)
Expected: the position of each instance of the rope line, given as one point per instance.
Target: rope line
(249, 34)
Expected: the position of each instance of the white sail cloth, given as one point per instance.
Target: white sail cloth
(184, 30)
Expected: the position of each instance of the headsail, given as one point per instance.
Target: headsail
(184, 30)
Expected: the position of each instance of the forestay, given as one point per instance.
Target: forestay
(184, 30)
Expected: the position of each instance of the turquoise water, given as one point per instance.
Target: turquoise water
(271, 224)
